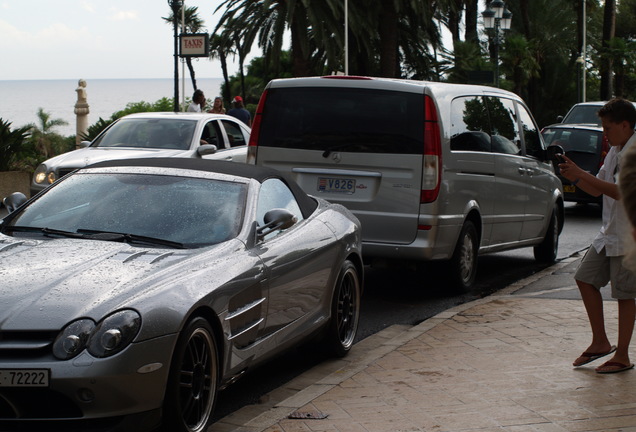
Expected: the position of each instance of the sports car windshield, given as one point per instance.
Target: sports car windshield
(148, 133)
(139, 208)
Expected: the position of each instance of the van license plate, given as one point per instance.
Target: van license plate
(569, 188)
(24, 377)
(336, 185)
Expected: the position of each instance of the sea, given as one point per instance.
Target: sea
(20, 99)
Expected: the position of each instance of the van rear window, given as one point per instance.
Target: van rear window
(343, 119)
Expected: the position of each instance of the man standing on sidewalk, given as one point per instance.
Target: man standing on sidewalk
(603, 261)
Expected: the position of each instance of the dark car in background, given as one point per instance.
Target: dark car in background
(586, 145)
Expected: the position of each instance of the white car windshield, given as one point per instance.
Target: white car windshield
(148, 133)
(191, 212)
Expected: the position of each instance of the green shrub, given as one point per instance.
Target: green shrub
(12, 144)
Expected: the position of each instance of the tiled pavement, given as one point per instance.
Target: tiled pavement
(502, 363)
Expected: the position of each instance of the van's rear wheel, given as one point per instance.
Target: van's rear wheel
(463, 264)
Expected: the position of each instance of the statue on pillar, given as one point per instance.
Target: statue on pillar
(81, 113)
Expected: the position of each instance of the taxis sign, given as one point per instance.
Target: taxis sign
(195, 45)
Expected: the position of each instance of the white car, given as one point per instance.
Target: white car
(183, 135)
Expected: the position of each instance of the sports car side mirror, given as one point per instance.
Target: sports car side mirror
(13, 201)
(275, 220)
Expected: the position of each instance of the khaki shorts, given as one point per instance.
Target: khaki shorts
(597, 269)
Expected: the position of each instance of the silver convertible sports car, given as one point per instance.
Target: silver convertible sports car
(133, 290)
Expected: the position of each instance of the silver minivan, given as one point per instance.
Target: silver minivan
(434, 171)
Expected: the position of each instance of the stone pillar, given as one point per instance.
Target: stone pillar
(81, 113)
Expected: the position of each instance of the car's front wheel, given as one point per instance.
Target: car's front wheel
(345, 311)
(193, 380)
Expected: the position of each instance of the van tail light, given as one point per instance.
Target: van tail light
(431, 174)
(604, 150)
(256, 128)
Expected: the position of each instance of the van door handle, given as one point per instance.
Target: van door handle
(521, 170)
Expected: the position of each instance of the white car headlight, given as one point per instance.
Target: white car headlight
(42, 175)
(114, 333)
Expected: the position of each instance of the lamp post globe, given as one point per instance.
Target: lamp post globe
(497, 17)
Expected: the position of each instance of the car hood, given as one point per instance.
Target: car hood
(89, 155)
(44, 284)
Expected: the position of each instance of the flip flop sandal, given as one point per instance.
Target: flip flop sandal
(616, 367)
(593, 356)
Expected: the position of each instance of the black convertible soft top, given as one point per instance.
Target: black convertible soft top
(307, 204)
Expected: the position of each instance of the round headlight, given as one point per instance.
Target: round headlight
(40, 174)
(51, 177)
(114, 333)
(72, 339)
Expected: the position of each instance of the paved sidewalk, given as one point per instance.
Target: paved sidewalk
(502, 363)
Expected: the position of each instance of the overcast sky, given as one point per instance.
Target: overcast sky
(91, 39)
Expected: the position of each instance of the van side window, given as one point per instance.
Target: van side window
(505, 130)
(531, 135)
(470, 125)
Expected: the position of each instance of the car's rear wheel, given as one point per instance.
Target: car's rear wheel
(345, 311)
(463, 264)
(193, 381)
(546, 251)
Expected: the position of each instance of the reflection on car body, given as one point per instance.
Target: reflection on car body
(134, 289)
(185, 135)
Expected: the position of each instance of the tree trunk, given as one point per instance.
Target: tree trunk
(191, 69)
(301, 66)
(609, 29)
(472, 8)
(388, 40)
(226, 77)
(454, 18)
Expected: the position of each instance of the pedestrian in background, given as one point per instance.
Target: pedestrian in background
(198, 101)
(603, 261)
(240, 112)
(217, 107)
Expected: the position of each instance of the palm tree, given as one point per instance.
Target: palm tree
(47, 142)
(11, 143)
(519, 57)
(220, 48)
(193, 24)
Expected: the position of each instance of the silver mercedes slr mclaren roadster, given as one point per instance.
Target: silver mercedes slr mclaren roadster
(133, 290)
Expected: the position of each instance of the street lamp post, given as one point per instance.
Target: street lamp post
(176, 5)
(498, 17)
